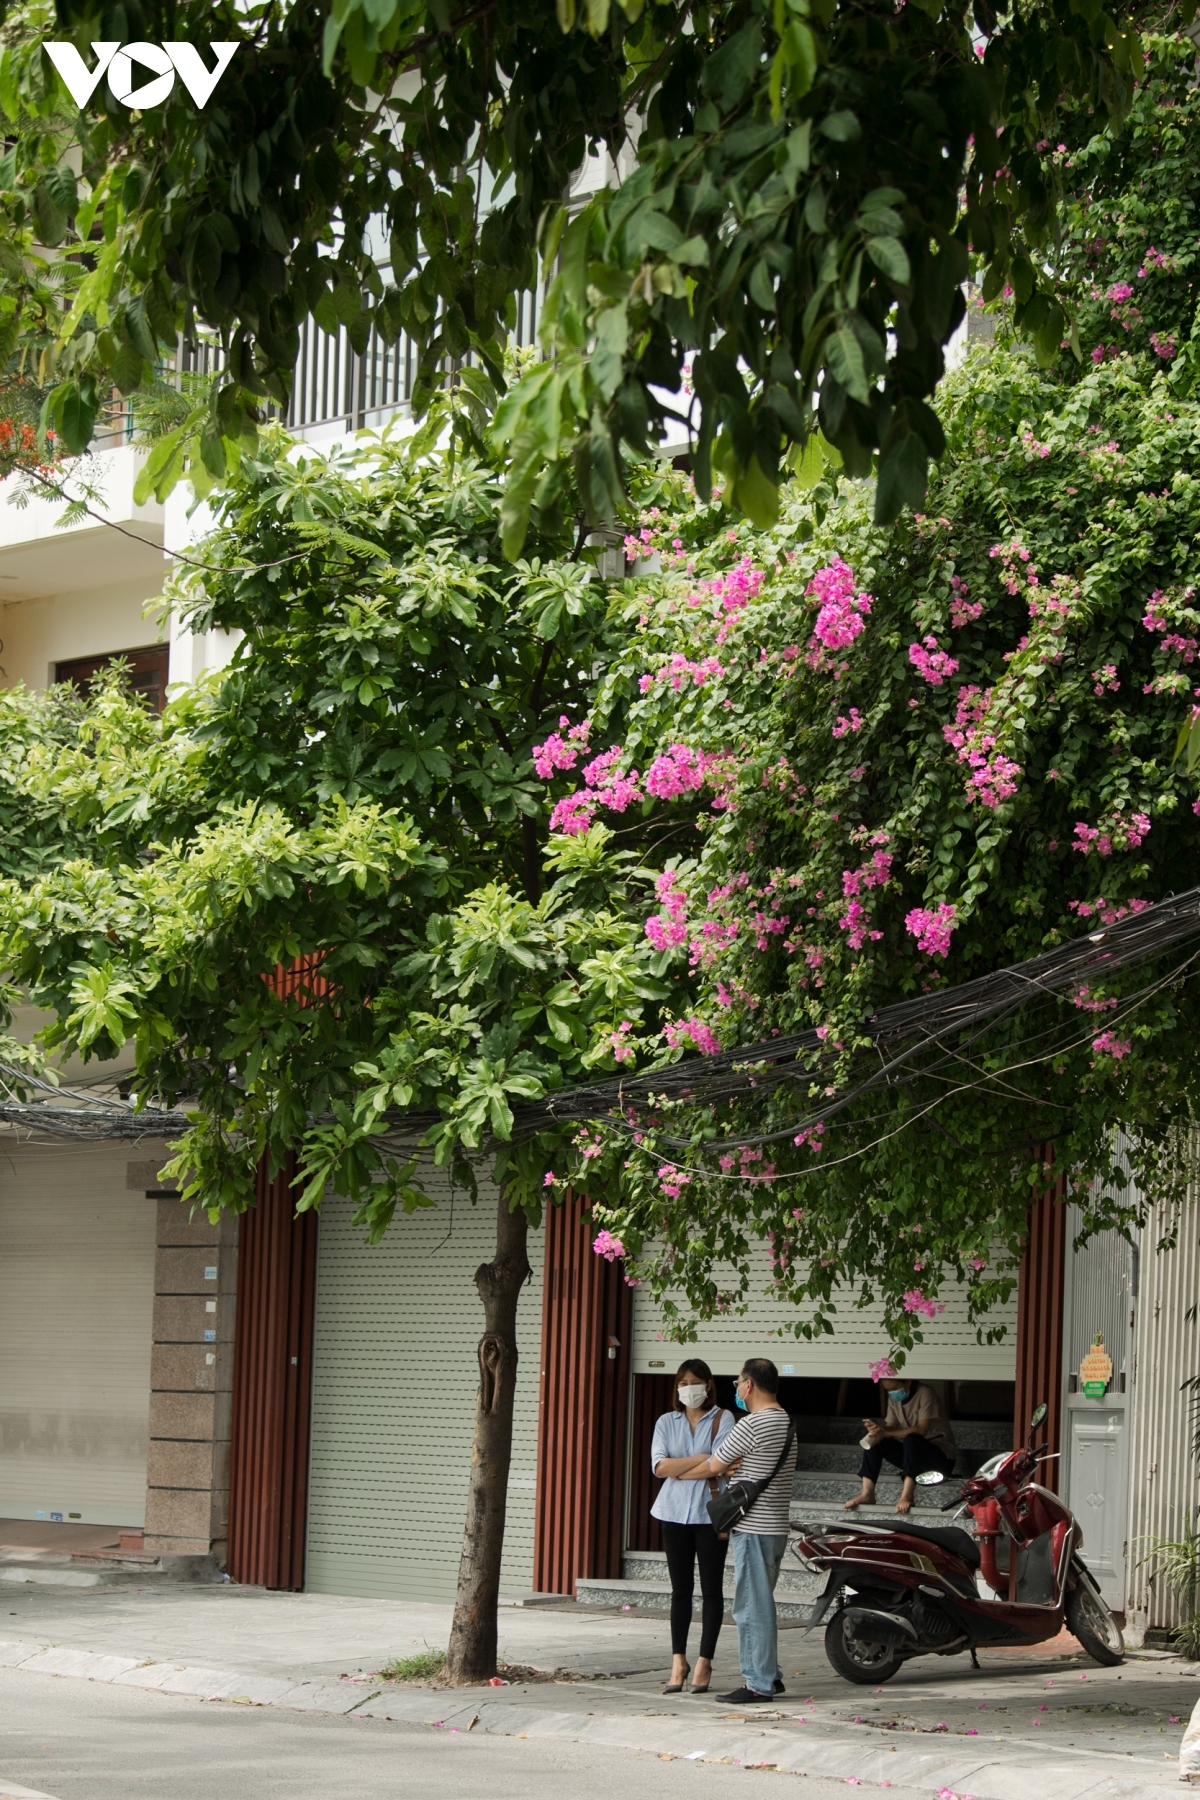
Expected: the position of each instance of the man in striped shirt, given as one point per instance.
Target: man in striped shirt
(758, 1542)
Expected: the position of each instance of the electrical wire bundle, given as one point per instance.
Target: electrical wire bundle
(897, 1047)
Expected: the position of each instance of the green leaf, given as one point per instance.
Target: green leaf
(846, 362)
(1021, 277)
(127, 368)
(608, 357)
(841, 127)
(755, 494)
(49, 217)
(163, 467)
(808, 463)
(727, 74)
(889, 254)
(73, 413)
(903, 474)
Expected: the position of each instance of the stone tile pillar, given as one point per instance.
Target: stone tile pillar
(191, 1381)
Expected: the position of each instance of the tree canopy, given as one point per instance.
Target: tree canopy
(782, 777)
(801, 188)
(354, 794)
(900, 759)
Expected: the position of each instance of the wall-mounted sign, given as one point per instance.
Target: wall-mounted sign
(1096, 1369)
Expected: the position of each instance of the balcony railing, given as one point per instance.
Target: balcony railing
(332, 384)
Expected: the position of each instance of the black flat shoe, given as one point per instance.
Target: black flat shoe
(779, 1687)
(744, 1696)
(672, 1688)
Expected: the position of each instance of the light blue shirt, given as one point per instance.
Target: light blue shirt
(685, 1502)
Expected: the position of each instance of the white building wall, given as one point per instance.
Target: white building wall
(1164, 1485)
(84, 590)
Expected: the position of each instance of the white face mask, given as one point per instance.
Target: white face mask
(692, 1395)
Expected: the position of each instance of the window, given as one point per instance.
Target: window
(147, 671)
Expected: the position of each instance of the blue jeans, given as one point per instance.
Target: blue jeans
(756, 1564)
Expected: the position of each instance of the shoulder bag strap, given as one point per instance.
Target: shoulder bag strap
(764, 1481)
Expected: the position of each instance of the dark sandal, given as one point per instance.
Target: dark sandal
(671, 1688)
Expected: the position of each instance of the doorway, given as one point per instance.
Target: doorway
(1100, 1298)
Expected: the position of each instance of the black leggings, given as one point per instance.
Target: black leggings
(687, 1545)
(913, 1454)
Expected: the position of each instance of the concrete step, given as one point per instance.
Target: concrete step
(46, 1559)
(113, 1571)
(843, 1459)
(651, 1565)
(655, 1597)
(985, 1435)
(107, 1560)
(824, 1513)
(828, 1489)
(39, 1575)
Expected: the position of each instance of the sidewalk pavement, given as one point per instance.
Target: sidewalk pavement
(1050, 1720)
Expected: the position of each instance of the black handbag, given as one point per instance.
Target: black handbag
(727, 1509)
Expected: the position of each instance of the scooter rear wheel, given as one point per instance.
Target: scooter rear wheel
(855, 1660)
(1093, 1624)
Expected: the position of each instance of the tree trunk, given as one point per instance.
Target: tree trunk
(472, 1652)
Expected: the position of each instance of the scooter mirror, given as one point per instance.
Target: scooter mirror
(1039, 1415)
(930, 1478)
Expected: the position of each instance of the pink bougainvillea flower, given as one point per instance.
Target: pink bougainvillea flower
(840, 611)
(676, 771)
(609, 1247)
(882, 1370)
(932, 927)
(701, 1035)
(932, 664)
(573, 816)
(917, 1302)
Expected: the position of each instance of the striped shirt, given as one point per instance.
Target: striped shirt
(758, 1440)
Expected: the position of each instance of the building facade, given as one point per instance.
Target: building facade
(297, 1405)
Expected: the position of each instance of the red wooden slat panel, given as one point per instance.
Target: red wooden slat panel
(582, 1409)
(272, 1365)
(652, 1396)
(272, 1388)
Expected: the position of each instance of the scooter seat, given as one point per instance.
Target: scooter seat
(949, 1537)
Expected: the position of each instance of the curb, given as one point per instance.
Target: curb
(855, 1755)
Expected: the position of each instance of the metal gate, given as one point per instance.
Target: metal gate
(395, 1377)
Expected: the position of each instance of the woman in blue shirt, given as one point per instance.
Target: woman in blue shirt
(683, 1441)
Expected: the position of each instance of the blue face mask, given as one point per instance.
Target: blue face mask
(899, 1394)
(740, 1403)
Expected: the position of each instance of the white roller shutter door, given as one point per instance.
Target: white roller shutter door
(949, 1350)
(395, 1377)
(76, 1307)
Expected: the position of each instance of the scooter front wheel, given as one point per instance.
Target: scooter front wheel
(854, 1659)
(1089, 1618)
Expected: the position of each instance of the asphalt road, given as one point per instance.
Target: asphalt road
(79, 1740)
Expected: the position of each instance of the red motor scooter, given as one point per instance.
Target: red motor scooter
(912, 1590)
